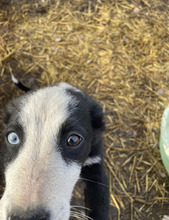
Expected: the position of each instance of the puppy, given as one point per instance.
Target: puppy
(53, 137)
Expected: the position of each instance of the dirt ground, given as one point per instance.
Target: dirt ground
(118, 52)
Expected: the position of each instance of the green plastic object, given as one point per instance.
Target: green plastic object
(164, 138)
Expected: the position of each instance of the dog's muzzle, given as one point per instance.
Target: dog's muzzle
(35, 214)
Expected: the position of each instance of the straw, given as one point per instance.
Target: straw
(118, 52)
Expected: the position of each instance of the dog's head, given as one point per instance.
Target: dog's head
(48, 138)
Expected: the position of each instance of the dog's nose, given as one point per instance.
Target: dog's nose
(36, 214)
(31, 218)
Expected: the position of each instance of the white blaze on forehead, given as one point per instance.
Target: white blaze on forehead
(48, 106)
(39, 175)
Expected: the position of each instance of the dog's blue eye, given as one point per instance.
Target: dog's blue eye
(13, 138)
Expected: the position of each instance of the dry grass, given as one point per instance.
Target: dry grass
(117, 51)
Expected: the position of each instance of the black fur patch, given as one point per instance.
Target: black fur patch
(7, 152)
(86, 119)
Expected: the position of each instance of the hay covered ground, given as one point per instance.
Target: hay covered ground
(118, 52)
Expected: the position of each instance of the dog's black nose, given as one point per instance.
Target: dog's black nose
(31, 218)
(36, 214)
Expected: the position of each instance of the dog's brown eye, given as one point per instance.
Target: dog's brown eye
(74, 140)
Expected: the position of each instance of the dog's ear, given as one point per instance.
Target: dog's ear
(98, 125)
(96, 114)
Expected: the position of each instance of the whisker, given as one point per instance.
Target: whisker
(77, 216)
(92, 181)
(78, 211)
(80, 215)
(82, 207)
(74, 215)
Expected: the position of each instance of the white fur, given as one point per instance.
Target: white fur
(39, 175)
(92, 160)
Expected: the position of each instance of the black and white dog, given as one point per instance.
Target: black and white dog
(53, 136)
